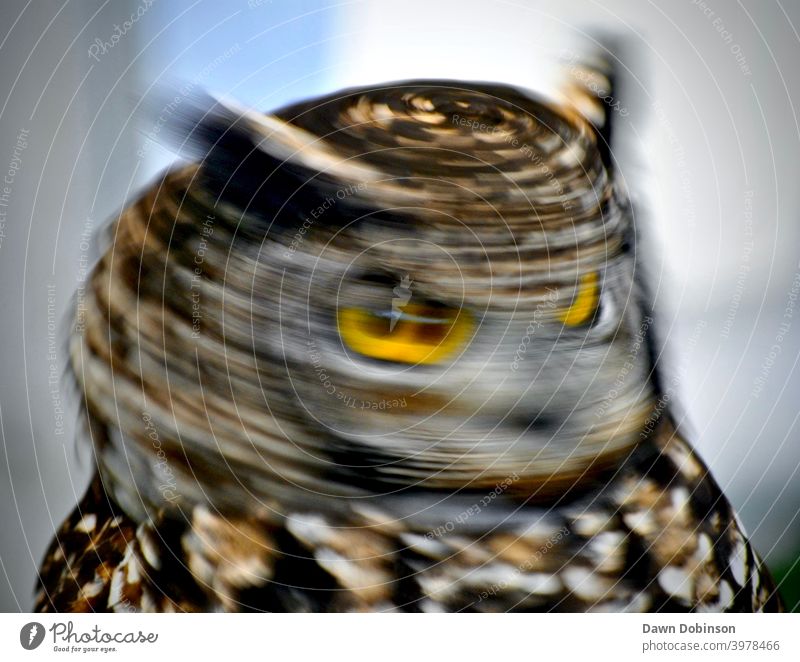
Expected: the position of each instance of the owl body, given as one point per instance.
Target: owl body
(659, 537)
(386, 350)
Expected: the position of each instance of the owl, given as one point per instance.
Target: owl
(387, 350)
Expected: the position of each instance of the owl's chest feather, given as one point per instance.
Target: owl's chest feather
(659, 536)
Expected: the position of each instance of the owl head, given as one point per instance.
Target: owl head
(425, 285)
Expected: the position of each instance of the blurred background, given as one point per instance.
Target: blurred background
(709, 145)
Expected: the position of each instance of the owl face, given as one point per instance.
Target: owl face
(427, 284)
(424, 363)
(443, 287)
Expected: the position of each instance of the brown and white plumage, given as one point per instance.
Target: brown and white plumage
(659, 537)
(256, 453)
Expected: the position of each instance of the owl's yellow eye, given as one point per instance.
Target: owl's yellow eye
(585, 302)
(414, 334)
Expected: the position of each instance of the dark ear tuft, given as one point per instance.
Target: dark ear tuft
(242, 165)
(592, 87)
